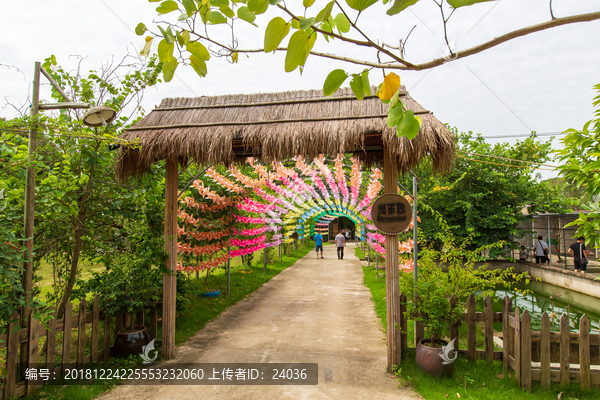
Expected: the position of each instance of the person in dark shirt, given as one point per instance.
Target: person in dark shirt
(578, 251)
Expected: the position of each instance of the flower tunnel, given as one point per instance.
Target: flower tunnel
(262, 206)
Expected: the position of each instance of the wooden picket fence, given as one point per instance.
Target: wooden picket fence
(471, 317)
(529, 354)
(23, 345)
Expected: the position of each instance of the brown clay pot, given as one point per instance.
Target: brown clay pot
(429, 360)
(131, 343)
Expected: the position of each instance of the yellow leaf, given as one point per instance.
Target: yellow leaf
(234, 57)
(390, 86)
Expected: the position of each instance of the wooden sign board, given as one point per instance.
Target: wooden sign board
(391, 213)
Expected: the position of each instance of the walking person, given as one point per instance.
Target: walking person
(541, 251)
(579, 253)
(319, 244)
(340, 242)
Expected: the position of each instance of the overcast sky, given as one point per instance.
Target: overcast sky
(541, 82)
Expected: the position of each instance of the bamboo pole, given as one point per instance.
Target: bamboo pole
(392, 265)
(170, 277)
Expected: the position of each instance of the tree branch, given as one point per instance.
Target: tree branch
(509, 36)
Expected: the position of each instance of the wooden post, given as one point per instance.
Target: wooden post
(11, 357)
(505, 336)
(95, 329)
(565, 351)
(29, 211)
(392, 274)
(454, 326)
(106, 351)
(545, 350)
(403, 325)
(489, 328)
(518, 345)
(170, 277)
(33, 342)
(81, 333)
(66, 351)
(471, 330)
(584, 353)
(526, 351)
(153, 323)
(139, 318)
(51, 343)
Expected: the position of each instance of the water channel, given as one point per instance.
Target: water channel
(555, 301)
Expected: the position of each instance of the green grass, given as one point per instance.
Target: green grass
(472, 380)
(198, 313)
(481, 380)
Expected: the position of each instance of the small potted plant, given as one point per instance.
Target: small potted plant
(443, 274)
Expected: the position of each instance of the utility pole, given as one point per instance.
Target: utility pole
(29, 211)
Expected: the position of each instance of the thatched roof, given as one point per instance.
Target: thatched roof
(278, 126)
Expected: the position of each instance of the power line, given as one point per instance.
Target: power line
(505, 165)
(506, 159)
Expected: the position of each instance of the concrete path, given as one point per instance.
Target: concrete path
(317, 311)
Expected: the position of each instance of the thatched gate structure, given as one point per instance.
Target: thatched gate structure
(275, 127)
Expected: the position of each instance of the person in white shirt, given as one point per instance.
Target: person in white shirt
(540, 254)
(340, 242)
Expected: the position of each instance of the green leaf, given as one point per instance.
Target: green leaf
(342, 23)
(227, 11)
(308, 3)
(190, 7)
(165, 50)
(167, 6)
(218, 3)
(276, 31)
(199, 65)
(274, 2)
(246, 15)
(216, 18)
(413, 130)
(186, 37)
(306, 22)
(198, 49)
(325, 13)
(462, 3)
(258, 6)
(295, 24)
(298, 50)
(169, 68)
(400, 5)
(405, 123)
(365, 80)
(179, 39)
(140, 29)
(357, 87)
(168, 35)
(360, 5)
(334, 80)
(395, 115)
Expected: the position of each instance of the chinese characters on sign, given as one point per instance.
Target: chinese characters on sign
(391, 213)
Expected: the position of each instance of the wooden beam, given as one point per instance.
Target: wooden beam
(170, 278)
(392, 265)
(55, 85)
(62, 106)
